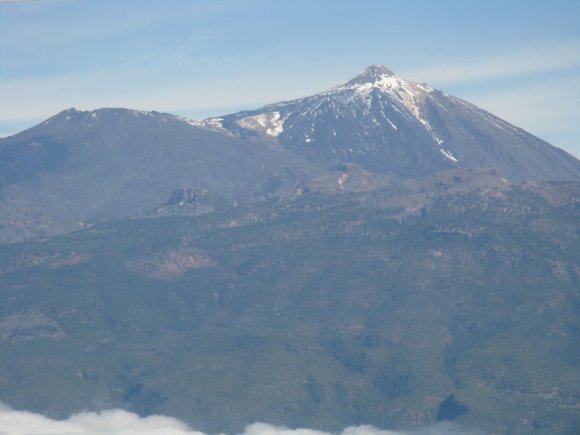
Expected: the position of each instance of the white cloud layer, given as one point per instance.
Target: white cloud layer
(113, 422)
(119, 422)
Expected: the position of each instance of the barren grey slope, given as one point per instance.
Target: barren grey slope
(80, 166)
(387, 124)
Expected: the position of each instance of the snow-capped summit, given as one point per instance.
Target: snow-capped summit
(387, 124)
(371, 74)
(380, 77)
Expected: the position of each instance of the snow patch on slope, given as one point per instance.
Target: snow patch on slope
(270, 124)
(193, 122)
(215, 124)
(448, 154)
(406, 96)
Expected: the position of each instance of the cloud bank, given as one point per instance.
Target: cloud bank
(113, 422)
(119, 422)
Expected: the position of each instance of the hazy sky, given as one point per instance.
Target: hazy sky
(519, 59)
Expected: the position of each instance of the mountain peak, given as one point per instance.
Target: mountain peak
(372, 73)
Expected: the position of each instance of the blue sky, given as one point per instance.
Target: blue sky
(519, 59)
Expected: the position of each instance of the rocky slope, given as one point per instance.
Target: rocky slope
(80, 167)
(388, 124)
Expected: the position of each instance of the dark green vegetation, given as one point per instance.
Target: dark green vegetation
(396, 307)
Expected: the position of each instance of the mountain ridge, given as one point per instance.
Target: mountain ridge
(229, 271)
(79, 167)
(116, 163)
(388, 124)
